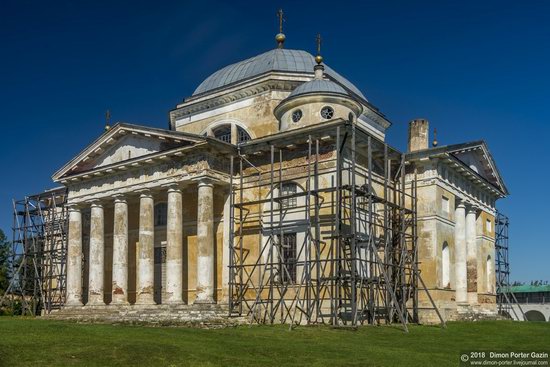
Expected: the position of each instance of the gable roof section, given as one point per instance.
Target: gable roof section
(473, 156)
(100, 152)
(480, 152)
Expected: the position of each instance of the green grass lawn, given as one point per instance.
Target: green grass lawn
(26, 342)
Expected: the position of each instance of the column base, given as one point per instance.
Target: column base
(204, 301)
(115, 302)
(145, 300)
(95, 301)
(472, 298)
(95, 304)
(74, 303)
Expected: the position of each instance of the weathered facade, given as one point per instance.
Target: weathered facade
(457, 187)
(273, 195)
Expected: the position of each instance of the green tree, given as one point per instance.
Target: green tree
(5, 249)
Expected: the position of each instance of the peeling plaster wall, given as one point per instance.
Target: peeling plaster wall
(256, 115)
(130, 147)
(435, 227)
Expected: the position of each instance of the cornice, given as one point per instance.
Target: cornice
(258, 86)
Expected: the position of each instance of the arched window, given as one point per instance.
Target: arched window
(445, 266)
(224, 133)
(243, 135)
(161, 213)
(489, 274)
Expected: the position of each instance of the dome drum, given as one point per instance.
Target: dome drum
(310, 110)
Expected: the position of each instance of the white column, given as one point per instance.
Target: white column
(120, 251)
(205, 243)
(97, 256)
(460, 254)
(471, 249)
(145, 251)
(74, 258)
(174, 246)
(226, 243)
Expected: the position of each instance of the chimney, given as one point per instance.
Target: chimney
(418, 135)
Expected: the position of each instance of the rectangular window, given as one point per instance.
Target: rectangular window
(445, 204)
(161, 213)
(287, 261)
(488, 225)
(288, 188)
(160, 254)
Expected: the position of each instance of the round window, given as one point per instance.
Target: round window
(327, 112)
(296, 115)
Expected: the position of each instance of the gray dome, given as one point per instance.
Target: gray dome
(297, 61)
(316, 86)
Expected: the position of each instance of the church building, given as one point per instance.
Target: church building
(273, 197)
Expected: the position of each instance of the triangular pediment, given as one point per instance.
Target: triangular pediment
(125, 142)
(476, 157)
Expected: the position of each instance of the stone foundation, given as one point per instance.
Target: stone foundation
(459, 313)
(476, 313)
(197, 315)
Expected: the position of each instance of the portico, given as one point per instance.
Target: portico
(145, 258)
(148, 230)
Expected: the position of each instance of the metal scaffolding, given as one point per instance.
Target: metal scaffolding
(39, 249)
(505, 298)
(341, 249)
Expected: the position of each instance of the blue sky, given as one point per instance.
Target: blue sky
(476, 70)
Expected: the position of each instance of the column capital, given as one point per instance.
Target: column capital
(460, 203)
(120, 198)
(74, 207)
(205, 181)
(173, 186)
(144, 193)
(207, 178)
(95, 203)
(472, 208)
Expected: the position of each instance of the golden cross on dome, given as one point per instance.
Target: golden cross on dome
(281, 20)
(318, 58)
(280, 37)
(319, 40)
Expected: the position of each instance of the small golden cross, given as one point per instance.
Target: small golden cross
(281, 20)
(319, 44)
